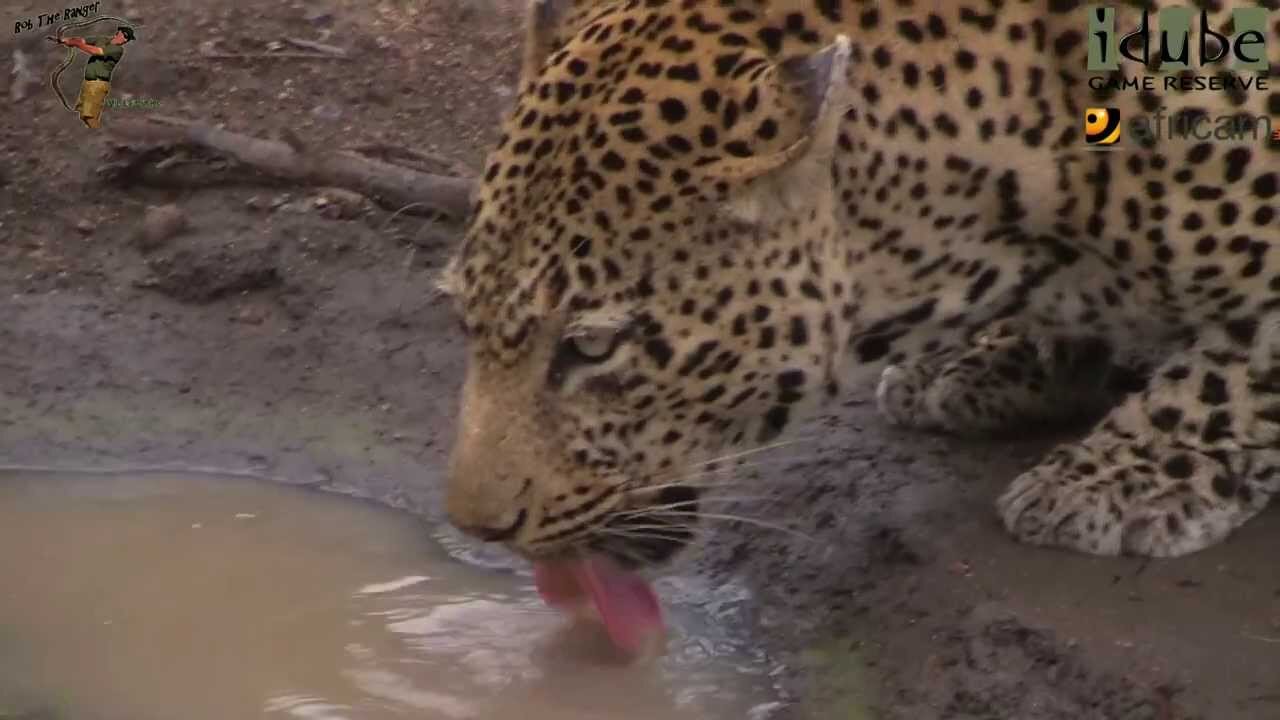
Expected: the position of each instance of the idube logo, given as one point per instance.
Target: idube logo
(1167, 51)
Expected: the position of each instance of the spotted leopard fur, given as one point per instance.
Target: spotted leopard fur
(705, 217)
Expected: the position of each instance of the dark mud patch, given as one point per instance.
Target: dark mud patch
(1003, 668)
(901, 597)
(204, 274)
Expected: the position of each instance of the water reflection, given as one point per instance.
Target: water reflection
(156, 597)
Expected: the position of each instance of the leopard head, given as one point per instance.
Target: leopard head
(647, 280)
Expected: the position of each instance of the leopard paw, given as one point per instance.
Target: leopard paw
(900, 397)
(1132, 507)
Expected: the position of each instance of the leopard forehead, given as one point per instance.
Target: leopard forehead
(599, 176)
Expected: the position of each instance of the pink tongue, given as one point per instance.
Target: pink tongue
(626, 604)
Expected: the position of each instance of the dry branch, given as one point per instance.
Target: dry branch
(267, 56)
(426, 162)
(386, 183)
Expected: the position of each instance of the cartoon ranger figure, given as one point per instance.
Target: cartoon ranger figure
(104, 54)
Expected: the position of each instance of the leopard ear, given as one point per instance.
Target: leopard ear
(815, 88)
(543, 21)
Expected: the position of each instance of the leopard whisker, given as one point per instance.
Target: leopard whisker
(685, 504)
(689, 479)
(757, 450)
(724, 517)
(650, 532)
(618, 547)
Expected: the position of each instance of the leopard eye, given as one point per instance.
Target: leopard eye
(584, 347)
(594, 345)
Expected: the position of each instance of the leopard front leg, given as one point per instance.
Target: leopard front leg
(1003, 379)
(1173, 469)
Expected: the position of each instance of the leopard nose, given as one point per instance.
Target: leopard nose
(495, 534)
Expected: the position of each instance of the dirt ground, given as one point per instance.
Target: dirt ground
(276, 338)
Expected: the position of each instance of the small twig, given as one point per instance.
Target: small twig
(1262, 638)
(405, 283)
(396, 214)
(318, 47)
(172, 161)
(24, 75)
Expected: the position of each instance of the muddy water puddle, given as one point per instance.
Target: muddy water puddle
(187, 597)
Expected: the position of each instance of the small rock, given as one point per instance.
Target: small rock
(160, 225)
(84, 227)
(340, 204)
(318, 17)
(250, 316)
(764, 711)
(254, 203)
(327, 112)
(291, 139)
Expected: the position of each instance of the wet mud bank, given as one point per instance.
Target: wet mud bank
(881, 586)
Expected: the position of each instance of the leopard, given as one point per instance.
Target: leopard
(705, 220)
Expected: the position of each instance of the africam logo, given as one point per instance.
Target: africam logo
(1103, 128)
(1247, 46)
